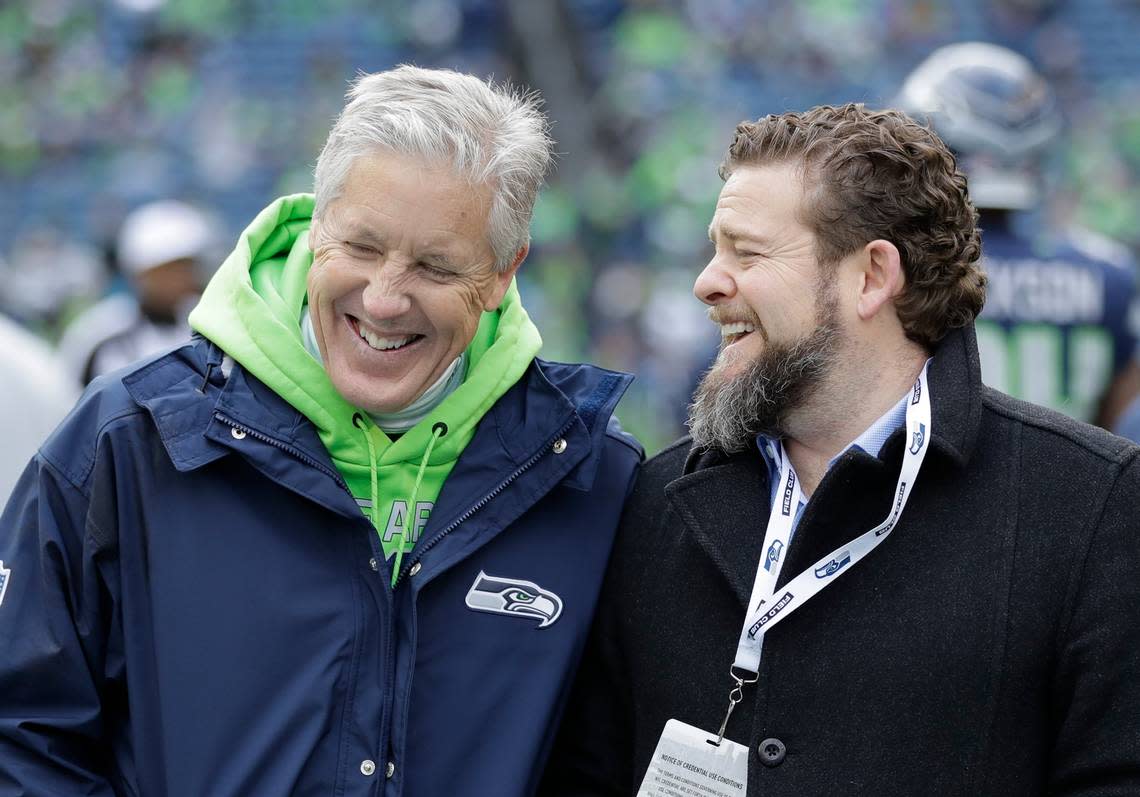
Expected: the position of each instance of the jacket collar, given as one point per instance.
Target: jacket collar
(723, 498)
(179, 391)
(552, 401)
(955, 395)
(554, 395)
(185, 392)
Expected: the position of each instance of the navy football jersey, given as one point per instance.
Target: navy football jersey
(1058, 322)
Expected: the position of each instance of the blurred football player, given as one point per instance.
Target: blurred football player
(1055, 328)
(161, 248)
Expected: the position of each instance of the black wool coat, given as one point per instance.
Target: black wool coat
(990, 646)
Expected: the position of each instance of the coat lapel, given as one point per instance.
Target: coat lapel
(725, 508)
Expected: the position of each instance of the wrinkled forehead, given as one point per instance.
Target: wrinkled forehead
(385, 189)
(760, 200)
(429, 173)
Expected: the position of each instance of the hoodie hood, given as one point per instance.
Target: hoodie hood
(252, 310)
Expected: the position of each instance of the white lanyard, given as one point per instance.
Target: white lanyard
(768, 606)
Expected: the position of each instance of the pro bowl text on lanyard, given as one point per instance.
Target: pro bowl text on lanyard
(768, 605)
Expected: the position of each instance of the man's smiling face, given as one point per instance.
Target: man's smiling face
(776, 305)
(402, 271)
(762, 282)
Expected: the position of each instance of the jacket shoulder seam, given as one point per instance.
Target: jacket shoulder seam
(684, 442)
(78, 478)
(1115, 454)
(625, 439)
(65, 475)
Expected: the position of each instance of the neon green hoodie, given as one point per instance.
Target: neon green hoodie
(252, 310)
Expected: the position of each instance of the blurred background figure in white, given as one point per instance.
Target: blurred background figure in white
(48, 276)
(165, 251)
(1055, 329)
(37, 394)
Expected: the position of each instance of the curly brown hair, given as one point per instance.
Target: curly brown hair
(879, 174)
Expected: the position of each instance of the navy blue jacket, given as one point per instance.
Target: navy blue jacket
(195, 605)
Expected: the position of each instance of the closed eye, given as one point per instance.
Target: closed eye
(363, 249)
(433, 270)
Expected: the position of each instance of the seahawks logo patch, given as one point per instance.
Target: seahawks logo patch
(513, 598)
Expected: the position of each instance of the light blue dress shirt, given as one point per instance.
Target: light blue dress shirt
(871, 442)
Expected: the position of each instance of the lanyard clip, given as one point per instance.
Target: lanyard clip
(734, 697)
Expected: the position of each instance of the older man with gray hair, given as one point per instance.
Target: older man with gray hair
(349, 538)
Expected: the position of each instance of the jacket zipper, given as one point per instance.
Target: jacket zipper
(296, 452)
(482, 502)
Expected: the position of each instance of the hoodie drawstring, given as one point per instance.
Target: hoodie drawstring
(358, 422)
(437, 431)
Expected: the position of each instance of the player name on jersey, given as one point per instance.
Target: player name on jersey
(1051, 291)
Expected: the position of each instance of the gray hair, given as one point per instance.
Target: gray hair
(494, 135)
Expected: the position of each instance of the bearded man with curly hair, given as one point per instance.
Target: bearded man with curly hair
(864, 572)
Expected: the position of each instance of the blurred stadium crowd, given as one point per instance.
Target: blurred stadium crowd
(106, 106)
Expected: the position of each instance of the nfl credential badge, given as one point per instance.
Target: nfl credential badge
(4, 574)
(513, 598)
(689, 761)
